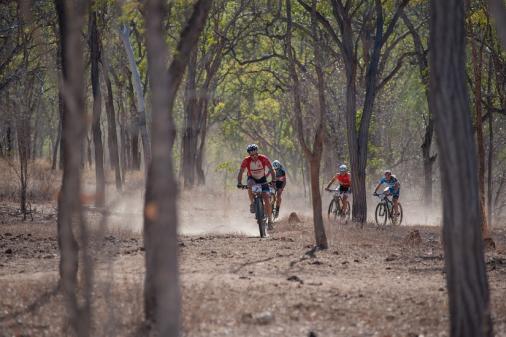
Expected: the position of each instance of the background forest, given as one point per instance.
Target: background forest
(104, 100)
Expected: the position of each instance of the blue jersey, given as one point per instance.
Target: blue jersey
(391, 182)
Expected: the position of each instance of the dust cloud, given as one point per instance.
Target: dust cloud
(226, 211)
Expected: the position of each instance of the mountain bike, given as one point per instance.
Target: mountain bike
(385, 210)
(258, 203)
(335, 211)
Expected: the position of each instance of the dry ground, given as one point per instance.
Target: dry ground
(369, 283)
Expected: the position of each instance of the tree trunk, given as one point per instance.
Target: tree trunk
(466, 278)
(161, 288)
(23, 130)
(56, 145)
(314, 155)
(490, 143)
(111, 122)
(477, 61)
(139, 95)
(190, 120)
(70, 18)
(97, 111)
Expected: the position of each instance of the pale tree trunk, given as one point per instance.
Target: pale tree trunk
(139, 95)
(314, 155)
(97, 110)
(161, 287)
(70, 18)
(466, 278)
(477, 61)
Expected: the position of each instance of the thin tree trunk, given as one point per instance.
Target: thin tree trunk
(314, 155)
(70, 18)
(477, 60)
(466, 277)
(111, 122)
(490, 143)
(161, 287)
(56, 145)
(97, 111)
(139, 95)
(190, 117)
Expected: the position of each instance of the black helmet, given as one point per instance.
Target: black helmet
(251, 148)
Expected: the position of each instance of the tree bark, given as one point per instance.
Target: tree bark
(466, 278)
(477, 61)
(70, 19)
(161, 288)
(97, 110)
(490, 142)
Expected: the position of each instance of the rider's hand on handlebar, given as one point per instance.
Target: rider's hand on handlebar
(375, 193)
(239, 185)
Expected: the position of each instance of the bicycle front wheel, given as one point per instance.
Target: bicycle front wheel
(381, 214)
(333, 210)
(259, 215)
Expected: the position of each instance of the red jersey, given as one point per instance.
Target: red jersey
(344, 179)
(256, 168)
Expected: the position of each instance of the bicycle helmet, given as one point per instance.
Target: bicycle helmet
(387, 171)
(276, 164)
(251, 148)
(343, 168)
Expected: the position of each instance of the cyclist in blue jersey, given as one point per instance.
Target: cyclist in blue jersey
(394, 188)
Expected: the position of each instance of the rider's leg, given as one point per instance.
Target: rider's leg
(395, 200)
(267, 205)
(345, 202)
(278, 197)
(250, 183)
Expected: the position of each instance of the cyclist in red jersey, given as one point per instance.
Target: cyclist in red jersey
(255, 164)
(343, 178)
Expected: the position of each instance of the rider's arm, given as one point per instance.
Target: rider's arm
(271, 172)
(396, 186)
(331, 182)
(239, 176)
(377, 186)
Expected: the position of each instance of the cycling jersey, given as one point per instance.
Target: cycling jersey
(344, 180)
(391, 182)
(280, 174)
(256, 168)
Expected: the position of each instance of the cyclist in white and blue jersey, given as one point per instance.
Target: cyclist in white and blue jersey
(394, 188)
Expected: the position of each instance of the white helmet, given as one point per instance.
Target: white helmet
(276, 164)
(343, 168)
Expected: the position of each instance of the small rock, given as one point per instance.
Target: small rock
(389, 317)
(262, 318)
(312, 334)
(181, 244)
(293, 218)
(391, 257)
(344, 262)
(413, 238)
(295, 278)
(142, 249)
(8, 251)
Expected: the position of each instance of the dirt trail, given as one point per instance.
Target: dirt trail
(369, 283)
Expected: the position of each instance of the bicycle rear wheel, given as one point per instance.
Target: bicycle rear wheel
(260, 216)
(333, 210)
(381, 214)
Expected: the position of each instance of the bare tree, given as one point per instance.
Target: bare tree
(463, 246)
(312, 155)
(161, 288)
(94, 42)
(124, 33)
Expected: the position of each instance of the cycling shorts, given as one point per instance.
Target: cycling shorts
(344, 189)
(280, 184)
(395, 194)
(252, 181)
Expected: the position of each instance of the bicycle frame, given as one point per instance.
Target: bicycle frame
(258, 201)
(386, 204)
